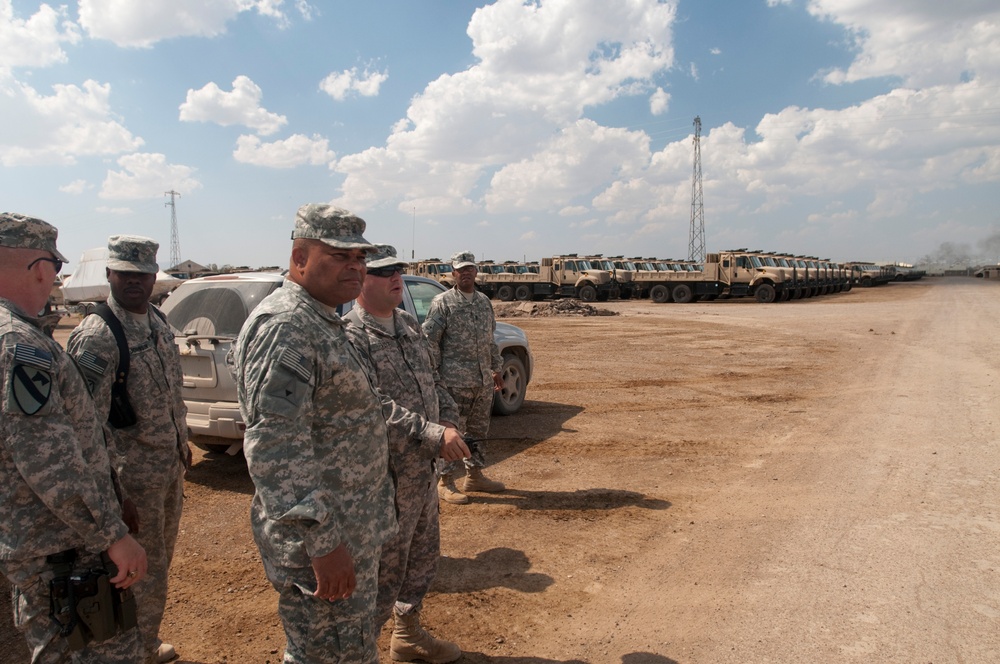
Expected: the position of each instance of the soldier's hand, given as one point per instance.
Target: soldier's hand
(130, 515)
(497, 381)
(334, 574)
(130, 558)
(188, 459)
(453, 447)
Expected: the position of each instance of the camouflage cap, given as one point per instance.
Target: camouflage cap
(132, 253)
(330, 224)
(384, 256)
(463, 259)
(18, 231)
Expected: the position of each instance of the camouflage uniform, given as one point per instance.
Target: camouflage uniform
(56, 488)
(152, 452)
(466, 356)
(317, 450)
(401, 363)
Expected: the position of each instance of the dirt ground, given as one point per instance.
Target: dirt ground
(713, 482)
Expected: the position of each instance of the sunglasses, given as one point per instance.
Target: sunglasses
(55, 261)
(385, 271)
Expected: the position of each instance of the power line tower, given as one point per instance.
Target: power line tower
(696, 242)
(175, 242)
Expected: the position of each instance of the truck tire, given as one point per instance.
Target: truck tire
(765, 293)
(683, 294)
(659, 294)
(523, 293)
(587, 293)
(505, 293)
(515, 381)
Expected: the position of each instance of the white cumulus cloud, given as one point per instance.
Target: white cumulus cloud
(340, 84)
(57, 129)
(147, 175)
(35, 41)
(297, 150)
(241, 106)
(131, 23)
(75, 187)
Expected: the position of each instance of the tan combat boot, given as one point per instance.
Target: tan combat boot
(410, 643)
(476, 481)
(448, 493)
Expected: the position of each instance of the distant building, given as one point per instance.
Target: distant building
(189, 270)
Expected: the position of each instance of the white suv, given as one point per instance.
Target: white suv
(207, 314)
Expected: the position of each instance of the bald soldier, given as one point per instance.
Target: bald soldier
(316, 445)
(153, 450)
(58, 505)
(392, 342)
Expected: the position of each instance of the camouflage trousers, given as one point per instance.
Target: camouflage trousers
(475, 404)
(319, 631)
(29, 581)
(410, 559)
(159, 509)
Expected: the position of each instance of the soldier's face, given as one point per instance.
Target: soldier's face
(131, 289)
(466, 278)
(383, 293)
(330, 274)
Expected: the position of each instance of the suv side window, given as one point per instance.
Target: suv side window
(422, 293)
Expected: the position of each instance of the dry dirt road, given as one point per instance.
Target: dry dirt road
(715, 482)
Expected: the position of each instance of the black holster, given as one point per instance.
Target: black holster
(84, 604)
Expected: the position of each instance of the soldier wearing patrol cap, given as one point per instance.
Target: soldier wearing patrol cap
(57, 493)
(152, 451)
(397, 352)
(460, 326)
(316, 445)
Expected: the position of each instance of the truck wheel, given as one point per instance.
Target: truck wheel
(505, 293)
(683, 294)
(523, 293)
(587, 293)
(515, 381)
(659, 294)
(765, 293)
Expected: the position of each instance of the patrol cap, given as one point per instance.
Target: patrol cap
(18, 231)
(384, 256)
(330, 224)
(463, 259)
(132, 253)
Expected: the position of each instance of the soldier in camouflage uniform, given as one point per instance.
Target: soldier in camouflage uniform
(460, 327)
(396, 350)
(316, 445)
(56, 486)
(153, 452)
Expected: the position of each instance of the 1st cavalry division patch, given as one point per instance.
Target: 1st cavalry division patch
(30, 380)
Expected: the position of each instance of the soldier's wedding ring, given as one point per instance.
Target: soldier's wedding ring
(131, 574)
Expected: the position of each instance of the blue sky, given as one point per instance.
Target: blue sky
(850, 129)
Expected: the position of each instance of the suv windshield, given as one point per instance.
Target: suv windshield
(214, 308)
(422, 293)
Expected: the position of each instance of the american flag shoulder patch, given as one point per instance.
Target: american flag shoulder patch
(295, 362)
(32, 356)
(91, 363)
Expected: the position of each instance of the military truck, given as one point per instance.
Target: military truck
(731, 273)
(558, 276)
(433, 268)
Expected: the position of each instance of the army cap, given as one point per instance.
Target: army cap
(132, 253)
(330, 224)
(463, 259)
(384, 256)
(18, 231)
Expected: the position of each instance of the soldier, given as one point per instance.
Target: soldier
(316, 445)
(396, 350)
(57, 493)
(460, 326)
(153, 450)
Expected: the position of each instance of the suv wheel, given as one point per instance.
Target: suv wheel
(509, 399)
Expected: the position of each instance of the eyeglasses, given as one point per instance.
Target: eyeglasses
(385, 271)
(55, 261)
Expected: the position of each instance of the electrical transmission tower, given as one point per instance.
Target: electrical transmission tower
(175, 241)
(696, 243)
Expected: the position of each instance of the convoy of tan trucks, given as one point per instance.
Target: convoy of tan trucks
(735, 273)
